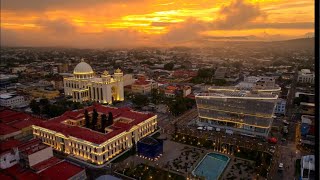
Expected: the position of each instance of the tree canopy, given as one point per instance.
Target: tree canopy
(140, 100)
(169, 66)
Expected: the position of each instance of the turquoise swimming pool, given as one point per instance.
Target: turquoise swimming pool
(211, 166)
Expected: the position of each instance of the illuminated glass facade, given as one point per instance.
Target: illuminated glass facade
(242, 111)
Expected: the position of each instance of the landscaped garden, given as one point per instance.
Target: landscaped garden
(186, 160)
(145, 172)
(241, 169)
(262, 160)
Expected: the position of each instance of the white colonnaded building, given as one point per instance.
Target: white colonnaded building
(86, 86)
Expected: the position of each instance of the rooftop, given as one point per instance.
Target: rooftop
(45, 164)
(94, 136)
(17, 172)
(7, 145)
(239, 94)
(308, 162)
(61, 170)
(8, 116)
(149, 141)
(6, 129)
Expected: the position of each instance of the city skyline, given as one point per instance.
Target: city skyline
(112, 24)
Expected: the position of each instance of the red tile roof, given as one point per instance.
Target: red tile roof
(7, 145)
(5, 176)
(88, 134)
(8, 116)
(22, 174)
(26, 123)
(61, 171)
(141, 82)
(6, 129)
(29, 144)
(45, 164)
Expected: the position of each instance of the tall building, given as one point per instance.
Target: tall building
(85, 86)
(248, 112)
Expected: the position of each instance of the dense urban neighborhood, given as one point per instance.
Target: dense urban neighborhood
(240, 110)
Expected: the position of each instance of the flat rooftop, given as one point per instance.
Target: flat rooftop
(61, 170)
(239, 94)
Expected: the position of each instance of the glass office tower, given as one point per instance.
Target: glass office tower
(249, 112)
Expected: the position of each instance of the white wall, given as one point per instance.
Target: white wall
(39, 156)
(9, 159)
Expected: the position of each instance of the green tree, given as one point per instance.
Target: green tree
(87, 118)
(175, 127)
(103, 122)
(35, 107)
(140, 100)
(44, 102)
(220, 82)
(110, 119)
(205, 73)
(169, 66)
(156, 96)
(54, 110)
(94, 119)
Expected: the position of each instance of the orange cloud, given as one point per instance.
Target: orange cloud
(148, 22)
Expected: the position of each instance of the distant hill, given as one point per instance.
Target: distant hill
(302, 43)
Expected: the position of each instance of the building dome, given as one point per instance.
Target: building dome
(83, 71)
(83, 68)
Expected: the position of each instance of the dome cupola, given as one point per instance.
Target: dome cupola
(83, 70)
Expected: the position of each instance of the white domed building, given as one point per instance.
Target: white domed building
(85, 86)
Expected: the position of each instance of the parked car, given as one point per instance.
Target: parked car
(280, 167)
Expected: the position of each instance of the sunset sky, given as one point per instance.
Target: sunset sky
(131, 23)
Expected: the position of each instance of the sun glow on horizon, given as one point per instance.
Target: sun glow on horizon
(155, 18)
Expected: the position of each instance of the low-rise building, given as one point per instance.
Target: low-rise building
(306, 76)
(220, 73)
(281, 106)
(67, 133)
(12, 100)
(43, 93)
(141, 86)
(172, 90)
(184, 73)
(14, 124)
(308, 167)
(308, 130)
(9, 154)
